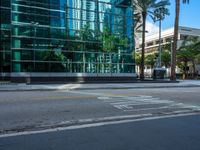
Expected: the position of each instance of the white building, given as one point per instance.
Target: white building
(152, 41)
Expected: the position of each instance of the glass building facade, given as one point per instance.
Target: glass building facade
(66, 36)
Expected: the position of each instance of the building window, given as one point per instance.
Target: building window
(150, 44)
(157, 42)
(71, 36)
(183, 37)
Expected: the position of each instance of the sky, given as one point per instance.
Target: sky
(189, 16)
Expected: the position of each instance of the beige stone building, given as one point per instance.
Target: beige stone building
(152, 42)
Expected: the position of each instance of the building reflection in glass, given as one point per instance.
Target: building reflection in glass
(73, 36)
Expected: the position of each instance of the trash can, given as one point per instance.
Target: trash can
(159, 73)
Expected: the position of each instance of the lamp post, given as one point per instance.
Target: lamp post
(171, 49)
(159, 57)
(34, 25)
(159, 16)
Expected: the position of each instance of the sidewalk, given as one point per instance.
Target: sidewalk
(93, 86)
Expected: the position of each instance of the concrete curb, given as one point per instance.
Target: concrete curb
(140, 87)
(106, 82)
(98, 88)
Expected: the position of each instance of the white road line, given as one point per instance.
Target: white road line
(126, 102)
(181, 111)
(104, 98)
(129, 103)
(145, 99)
(187, 105)
(145, 96)
(156, 100)
(123, 107)
(156, 108)
(136, 99)
(139, 103)
(95, 125)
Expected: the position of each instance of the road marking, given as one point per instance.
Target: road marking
(102, 94)
(103, 98)
(146, 103)
(128, 102)
(48, 98)
(74, 127)
(62, 97)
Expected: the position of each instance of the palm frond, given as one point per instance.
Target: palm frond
(185, 1)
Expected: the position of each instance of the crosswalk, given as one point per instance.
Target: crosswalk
(147, 103)
(143, 104)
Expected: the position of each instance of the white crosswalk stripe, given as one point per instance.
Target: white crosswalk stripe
(146, 103)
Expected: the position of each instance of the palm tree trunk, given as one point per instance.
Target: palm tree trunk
(194, 69)
(144, 15)
(185, 70)
(176, 27)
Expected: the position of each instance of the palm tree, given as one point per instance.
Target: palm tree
(197, 59)
(192, 45)
(176, 26)
(166, 58)
(137, 58)
(184, 55)
(145, 7)
(188, 52)
(150, 61)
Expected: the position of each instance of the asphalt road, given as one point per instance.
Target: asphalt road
(38, 110)
(179, 133)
